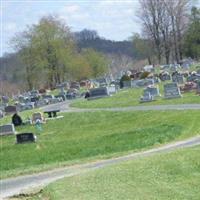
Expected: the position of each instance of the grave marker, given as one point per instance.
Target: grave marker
(171, 90)
(10, 109)
(25, 137)
(7, 129)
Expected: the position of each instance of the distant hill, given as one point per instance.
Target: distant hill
(13, 70)
(108, 46)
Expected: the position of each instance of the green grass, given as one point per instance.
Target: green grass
(131, 97)
(166, 176)
(79, 137)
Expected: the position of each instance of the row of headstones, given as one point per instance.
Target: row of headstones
(171, 90)
(9, 129)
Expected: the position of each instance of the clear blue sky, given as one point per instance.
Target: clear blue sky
(113, 19)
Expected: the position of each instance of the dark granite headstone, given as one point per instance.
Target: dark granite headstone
(98, 93)
(25, 137)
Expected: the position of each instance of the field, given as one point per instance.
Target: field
(131, 97)
(80, 137)
(167, 176)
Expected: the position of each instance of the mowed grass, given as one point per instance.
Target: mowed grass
(79, 137)
(174, 175)
(131, 97)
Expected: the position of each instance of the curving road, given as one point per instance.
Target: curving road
(14, 186)
(65, 107)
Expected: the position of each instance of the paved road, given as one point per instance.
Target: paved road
(14, 186)
(65, 107)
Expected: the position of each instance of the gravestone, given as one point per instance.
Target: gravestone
(154, 91)
(193, 77)
(61, 96)
(5, 99)
(10, 109)
(40, 103)
(112, 89)
(25, 137)
(25, 106)
(38, 116)
(171, 90)
(147, 97)
(165, 77)
(7, 129)
(178, 78)
(127, 84)
(98, 93)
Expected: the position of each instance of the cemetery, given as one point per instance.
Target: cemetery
(38, 133)
(100, 100)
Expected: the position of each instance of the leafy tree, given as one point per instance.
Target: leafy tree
(97, 62)
(45, 49)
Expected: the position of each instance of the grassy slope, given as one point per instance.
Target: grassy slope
(86, 136)
(174, 175)
(130, 97)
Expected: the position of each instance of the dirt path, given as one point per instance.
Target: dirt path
(14, 186)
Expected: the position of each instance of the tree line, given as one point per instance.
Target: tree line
(169, 31)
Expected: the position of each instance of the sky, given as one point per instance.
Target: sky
(112, 19)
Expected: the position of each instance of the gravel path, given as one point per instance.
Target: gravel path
(21, 184)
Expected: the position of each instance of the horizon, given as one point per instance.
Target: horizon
(116, 24)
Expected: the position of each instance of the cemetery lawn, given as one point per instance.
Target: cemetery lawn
(166, 176)
(88, 136)
(131, 97)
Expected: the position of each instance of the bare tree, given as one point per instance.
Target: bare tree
(165, 21)
(150, 15)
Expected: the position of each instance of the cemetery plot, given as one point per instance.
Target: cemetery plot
(25, 137)
(10, 109)
(178, 78)
(147, 97)
(38, 117)
(98, 93)
(171, 90)
(7, 129)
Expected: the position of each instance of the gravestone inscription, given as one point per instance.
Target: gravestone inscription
(171, 90)
(7, 129)
(147, 97)
(25, 137)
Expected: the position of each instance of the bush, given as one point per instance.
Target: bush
(144, 75)
(124, 78)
